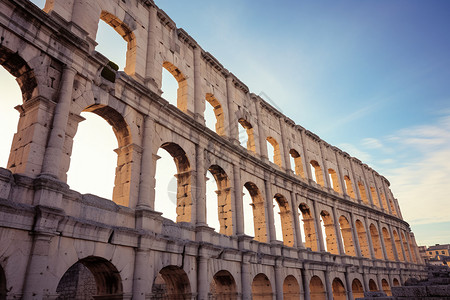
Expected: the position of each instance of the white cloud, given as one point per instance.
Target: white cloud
(372, 143)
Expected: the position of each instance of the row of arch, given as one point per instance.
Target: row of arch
(97, 277)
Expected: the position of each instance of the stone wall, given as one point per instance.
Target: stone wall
(46, 228)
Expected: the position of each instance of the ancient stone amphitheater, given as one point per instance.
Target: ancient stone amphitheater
(59, 244)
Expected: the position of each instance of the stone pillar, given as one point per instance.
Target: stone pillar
(321, 242)
(36, 283)
(278, 279)
(380, 201)
(202, 278)
(386, 194)
(338, 231)
(152, 44)
(245, 278)
(369, 238)
(348, 285)
(379, 283)
(394, 246)
(307, 164)
(147, 180)
(305, 283)
(402, 244)
(284, 146)
(199, 98)
(329, 288)
(261, 133)
(325, 167)
(367, 187)
(238, 217)
(232, 121)
(269, 209)
(200, 187)
(366, 280)
(355, 235)
(141, 274)
(295, 215)
(54, 150)
(341, 176)
(355, 182)
(383, 246)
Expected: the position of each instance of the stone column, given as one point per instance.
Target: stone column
(278, 279)
(328, 286)
(369, 238)
(199, 98)
(200, 203)
(307, 164)
(232, 121)
(383, 246)
(409, 247)
(338, 232)
(355, 235)
(283, 146)
(366, 281)
(151, 69)
(355, 183)
(341, 176)
(261, 133)
(321, 242)
(305, 283)
(245, 278)
(295, 215)
(141, 274)
(54, 150)
(147, 180)
(394, 246)
(405, 257)
(269, 209)
(380, 201)
(348, 285)
(367, 187)
(325, 168)
(238, 217)
(202, 277)
(389, 209)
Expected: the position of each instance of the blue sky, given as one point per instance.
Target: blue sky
(371, 77)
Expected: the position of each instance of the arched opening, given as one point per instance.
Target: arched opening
(349, 187)
(83, 152)
(376, 242)
(91, 277)
(274, 154)
(296, 163)
(394, 211)
(223, 287)
(9, 118)
(169, 87)
(171, 282)
(111, 46)
(362, 192)
(346, 232)
(3, 290)
(261, 288)
(372, 286)
(316, 289)
(357, 289)
(285, 220)
(182, 188)
(291, 288)
(18, 85)
(362, 238)
(374, 194)
(398, 245)
(316, 172)
(220, 211)
(334, 179)
(259, 216)
(339, 292)
(386, 287)
(309, 231)
(396, 282)
(182, 91)
(330, 235)
(388, 244)
(246, 137)
(93, 162)
(217, 112)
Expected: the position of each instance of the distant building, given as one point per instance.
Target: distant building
(436, 255)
